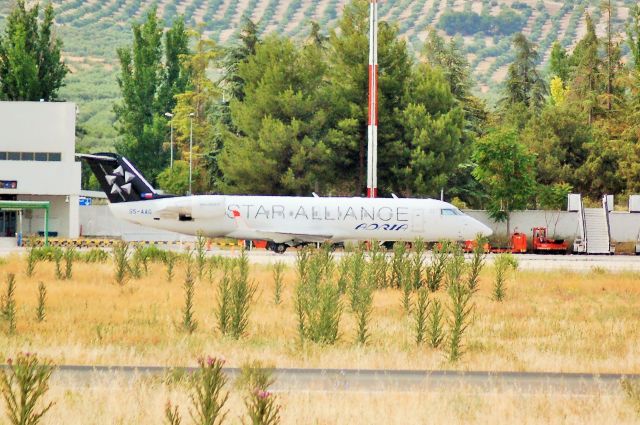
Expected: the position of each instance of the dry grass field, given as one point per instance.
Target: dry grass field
(560, 322)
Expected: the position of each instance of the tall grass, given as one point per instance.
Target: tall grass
(170, 260)
(242, 294)
(379, 265)
(502, 264)
(32, 260)
(361, 289)
(223, 310)
(631, 390)
(189, 323)
(42, 300)
(208, 396)
(417, 264)
(461, 310)
(9, 304)
(69, 257)
(201, 254)
(435, 328)
(476, 265)
(57, 257)
(24, 385)
(436, 270)
(121, 262)
(261, 404)
(317, 298)
(420, 316)
(278, 281)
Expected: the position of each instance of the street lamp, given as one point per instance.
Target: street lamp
(191, 115)
(170, 116)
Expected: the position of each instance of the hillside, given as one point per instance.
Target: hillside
(92, 29)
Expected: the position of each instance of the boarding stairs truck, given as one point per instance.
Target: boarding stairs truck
(594, 232)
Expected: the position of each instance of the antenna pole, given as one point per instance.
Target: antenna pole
(372, 146)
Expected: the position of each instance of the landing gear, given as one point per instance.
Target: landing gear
(278, 248)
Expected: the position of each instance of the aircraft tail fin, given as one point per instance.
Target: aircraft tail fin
(118, 178)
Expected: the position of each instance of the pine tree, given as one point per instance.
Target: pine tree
(524, 85)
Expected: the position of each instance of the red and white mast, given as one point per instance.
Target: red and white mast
(372, 156)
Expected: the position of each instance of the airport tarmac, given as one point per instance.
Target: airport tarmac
(580, 263)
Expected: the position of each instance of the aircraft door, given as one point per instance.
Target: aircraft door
(417, 220)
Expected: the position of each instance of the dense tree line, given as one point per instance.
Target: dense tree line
(268, 115)
(290, 118)
(31, 67)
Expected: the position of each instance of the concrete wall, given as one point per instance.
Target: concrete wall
(625, 226)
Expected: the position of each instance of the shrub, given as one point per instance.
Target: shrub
(69, 256)
(262, 407)
(9, 303)
(170, 259)
(417, 263)
(224, 299)
(436, 271)
(57, 256)
(278, 281)
(502, 264)
(317, 298)
(121, 260)
(32, 260)
(461, 311)
(24, 385)
(242, 293)
(201, 254)
(398, 264)
(208, 396)
(94, 255)
(361, 294)
(631, 390)
(475, 265)
(455, 267)
(42, 299)
(420, 315)
(436, 332)
(189, 323)
(379, 265)
(172, 415)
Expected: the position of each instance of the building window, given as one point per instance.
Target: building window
(31, 156)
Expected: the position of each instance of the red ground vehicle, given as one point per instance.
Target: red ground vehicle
(518, 244)
(542, 244)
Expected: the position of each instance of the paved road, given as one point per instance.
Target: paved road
(330, 380)
(582, 263)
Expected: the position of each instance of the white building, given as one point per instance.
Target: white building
(37, 163)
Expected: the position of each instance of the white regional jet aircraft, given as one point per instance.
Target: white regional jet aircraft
(282, 220)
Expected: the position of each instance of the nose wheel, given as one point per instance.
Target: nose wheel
(278, 248)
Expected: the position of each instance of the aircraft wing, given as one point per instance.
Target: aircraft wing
(281, 237)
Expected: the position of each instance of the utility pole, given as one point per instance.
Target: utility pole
(372, 146)
(170, 116)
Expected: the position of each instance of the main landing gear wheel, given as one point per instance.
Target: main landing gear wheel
(278, 248)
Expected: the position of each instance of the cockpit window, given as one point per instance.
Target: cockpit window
(450, 211)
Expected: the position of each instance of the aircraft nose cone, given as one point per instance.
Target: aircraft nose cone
(484, 230)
